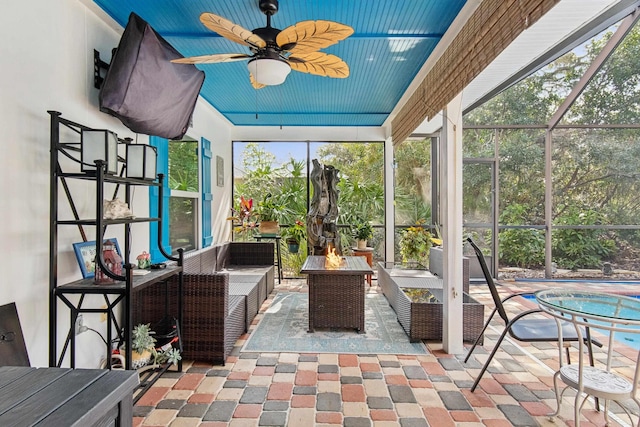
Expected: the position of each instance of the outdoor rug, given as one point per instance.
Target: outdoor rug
(283, 329)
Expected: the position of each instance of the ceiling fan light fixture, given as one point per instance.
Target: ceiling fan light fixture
(268, 71)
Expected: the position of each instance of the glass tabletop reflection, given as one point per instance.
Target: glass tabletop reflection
(592, 304)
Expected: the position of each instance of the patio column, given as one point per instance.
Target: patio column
(451, 215)
(389, 197)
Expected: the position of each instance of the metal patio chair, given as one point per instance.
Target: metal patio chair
(522, 327)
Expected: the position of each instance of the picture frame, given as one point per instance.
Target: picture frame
(86, 254)
(220, 171)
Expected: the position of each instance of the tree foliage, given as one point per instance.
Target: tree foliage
(183, 165)
(413, 178)
(361, 185)
(594, 170)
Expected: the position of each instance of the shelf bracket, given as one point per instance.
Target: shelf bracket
(98, 65)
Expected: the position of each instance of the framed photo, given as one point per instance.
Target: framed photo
(86, 255)
(220, 171)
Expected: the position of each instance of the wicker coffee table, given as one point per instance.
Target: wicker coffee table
(336, 294)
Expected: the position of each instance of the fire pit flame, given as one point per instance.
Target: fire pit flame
(333, 260)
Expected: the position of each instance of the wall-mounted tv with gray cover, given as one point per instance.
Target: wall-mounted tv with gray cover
(147, 92)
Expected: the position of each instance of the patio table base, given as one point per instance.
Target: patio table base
(336, 295)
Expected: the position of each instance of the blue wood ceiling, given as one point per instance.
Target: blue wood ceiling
(391, 42)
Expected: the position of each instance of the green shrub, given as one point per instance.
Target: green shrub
(583, 248)
(522, 247)
(292, 262)
(415, 244)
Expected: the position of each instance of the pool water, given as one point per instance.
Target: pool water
(630, 339)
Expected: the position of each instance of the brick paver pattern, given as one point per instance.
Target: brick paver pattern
(286, 389)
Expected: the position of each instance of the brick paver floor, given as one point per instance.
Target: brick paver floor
(286, 389)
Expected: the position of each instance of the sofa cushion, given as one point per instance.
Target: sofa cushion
(257, 279)
(251, 253)
(252, 302)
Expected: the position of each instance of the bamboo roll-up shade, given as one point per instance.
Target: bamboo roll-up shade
(490, 29)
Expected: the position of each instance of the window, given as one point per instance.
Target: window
(185, 194)
(282, 168)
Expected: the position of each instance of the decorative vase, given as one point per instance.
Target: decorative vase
(362, 244)
(269, 227)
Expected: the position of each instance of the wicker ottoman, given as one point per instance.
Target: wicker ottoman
(251, 302)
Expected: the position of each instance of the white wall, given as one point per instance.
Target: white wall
(47, 64)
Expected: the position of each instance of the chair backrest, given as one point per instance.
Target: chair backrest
(492, 286)
(13, 351)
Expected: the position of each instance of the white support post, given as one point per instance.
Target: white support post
(389, 206)
(451, 216)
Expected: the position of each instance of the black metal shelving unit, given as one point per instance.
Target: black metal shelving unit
(115, 294)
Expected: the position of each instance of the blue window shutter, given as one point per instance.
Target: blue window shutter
(162, 145)
(207, 198)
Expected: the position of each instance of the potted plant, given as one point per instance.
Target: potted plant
(142, 345)
(415, 244)
(269, 212)
(143, 348)
(294, 235)
(243, 216)
(361, 232)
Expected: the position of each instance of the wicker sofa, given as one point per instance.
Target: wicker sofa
(223, 288)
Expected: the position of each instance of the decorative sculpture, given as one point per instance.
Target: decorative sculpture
(116, 208)
(322, 230)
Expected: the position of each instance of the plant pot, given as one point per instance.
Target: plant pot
(294, 246)
(139, 360)
(269, 227)
(362, 244)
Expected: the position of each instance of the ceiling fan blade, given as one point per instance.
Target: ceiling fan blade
(321, 64)
(231, 31)
(310, 36)
(254, 83)
(212, 59)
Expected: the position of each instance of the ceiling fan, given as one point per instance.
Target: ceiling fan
(274, 52)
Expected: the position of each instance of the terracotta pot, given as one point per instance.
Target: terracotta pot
(269, 227)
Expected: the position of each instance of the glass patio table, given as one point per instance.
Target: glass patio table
(594, 310)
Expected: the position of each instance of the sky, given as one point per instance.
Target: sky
(282, 150)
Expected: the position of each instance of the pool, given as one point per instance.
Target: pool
(629, 339)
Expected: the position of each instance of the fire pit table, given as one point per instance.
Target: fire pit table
(336, 293)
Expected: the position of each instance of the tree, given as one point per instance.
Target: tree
(412, 186)
(594, 169)
(361, 185)
(183, 165)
